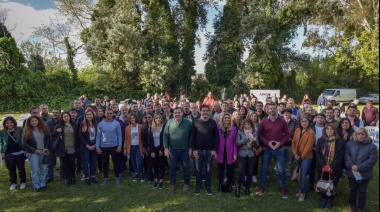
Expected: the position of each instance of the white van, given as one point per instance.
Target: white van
(340, 94)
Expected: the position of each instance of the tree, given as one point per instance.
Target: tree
(225, 47)
(33, 54)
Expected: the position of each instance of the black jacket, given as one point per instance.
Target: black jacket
(339, 153)
(61, 150)
(84, 139)
(30, 145)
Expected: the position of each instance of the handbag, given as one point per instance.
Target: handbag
(45, 159)
(56, 142)
(325, 186)
(296, 174)
(258, 151)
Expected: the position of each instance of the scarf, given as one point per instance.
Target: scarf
(329, 150)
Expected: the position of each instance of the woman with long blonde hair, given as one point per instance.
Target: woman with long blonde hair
(227, 150)
(156, 151)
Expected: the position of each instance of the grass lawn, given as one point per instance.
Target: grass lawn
(136, 196)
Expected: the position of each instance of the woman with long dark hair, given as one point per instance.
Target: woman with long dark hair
(329, 151)
(255, 118)
(134, 147)
(13, 152)
(302, 149)
(243, 112)
(147, 126)
(87, 138)
(67, 146)
(36, 141)
(345, 129)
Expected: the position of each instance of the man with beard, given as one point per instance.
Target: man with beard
(273, 134)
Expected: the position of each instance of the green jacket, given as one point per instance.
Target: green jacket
(4, 140)
(177, 136)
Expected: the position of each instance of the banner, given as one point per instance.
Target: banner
(262, 95)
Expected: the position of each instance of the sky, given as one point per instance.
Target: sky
(25, 16)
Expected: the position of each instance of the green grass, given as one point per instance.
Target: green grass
(130, 196)
(136, 196)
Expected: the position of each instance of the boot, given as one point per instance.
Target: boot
(323, 204)
(329, 204)
(352, 209)
(247, 191)
(219, 187)
(237, 192)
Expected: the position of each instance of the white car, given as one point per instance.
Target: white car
(373, 97)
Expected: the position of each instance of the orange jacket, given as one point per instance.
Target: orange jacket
(305, 144)
(128, 139)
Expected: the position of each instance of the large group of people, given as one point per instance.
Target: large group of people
(157, 134)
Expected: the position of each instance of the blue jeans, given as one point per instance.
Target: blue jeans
(288, 161)
(135, 155)
(52, 162)
(304, 166)
(279, 156)
(37, 170)
(89, 158)
(176, 156)
(204, 163)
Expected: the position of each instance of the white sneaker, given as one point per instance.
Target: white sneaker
(83, 178)
(13, 187)
(254, 179)
(22, 185)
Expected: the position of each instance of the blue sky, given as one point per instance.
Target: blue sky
(24, 16)
(36, 4)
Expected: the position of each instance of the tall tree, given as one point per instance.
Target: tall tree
(225, 47)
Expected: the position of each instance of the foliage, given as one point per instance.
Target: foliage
(225, 47)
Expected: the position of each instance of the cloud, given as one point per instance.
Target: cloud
(25, 19)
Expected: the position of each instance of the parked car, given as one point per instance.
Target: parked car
(373, 97)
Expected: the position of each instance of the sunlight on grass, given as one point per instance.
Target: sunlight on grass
(100, 200)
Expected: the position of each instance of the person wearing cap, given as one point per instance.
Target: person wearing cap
(292, 126)
(370, 114)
